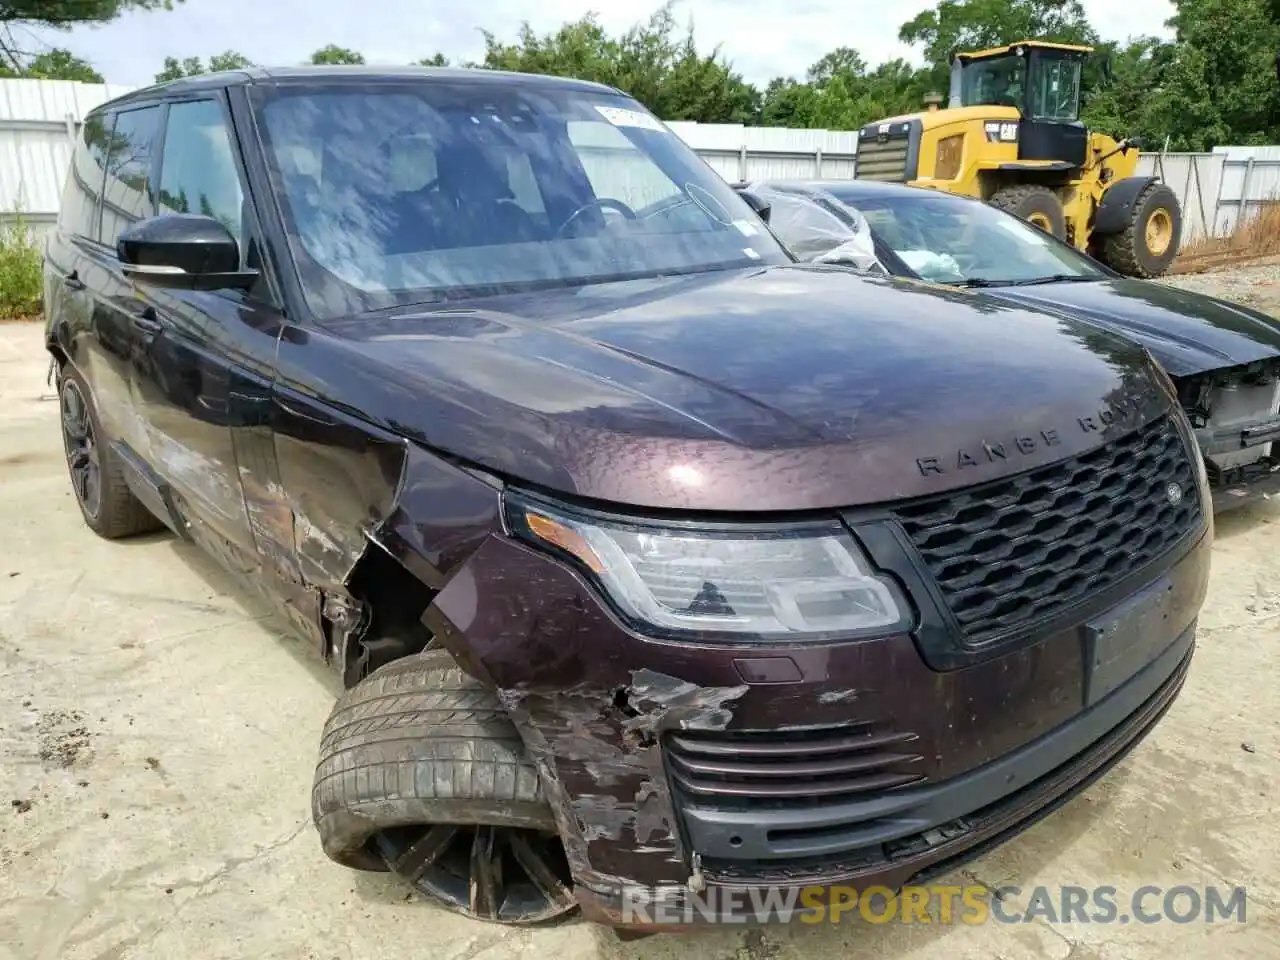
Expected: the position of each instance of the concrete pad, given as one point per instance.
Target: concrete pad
(158, 734)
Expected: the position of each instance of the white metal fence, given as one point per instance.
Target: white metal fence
(39, 119)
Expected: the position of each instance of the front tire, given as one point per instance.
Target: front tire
(97, 476)
(1148, 244)
(422, 772)
(1039, 206)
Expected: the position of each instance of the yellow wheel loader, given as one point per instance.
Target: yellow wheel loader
(1011, 135)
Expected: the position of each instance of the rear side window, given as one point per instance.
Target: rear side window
(83, 189)
(198, 169)
(127, 195)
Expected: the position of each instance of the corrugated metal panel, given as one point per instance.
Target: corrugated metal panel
(37, 121)
(52, 101)
(33, 166)
(1250, 178)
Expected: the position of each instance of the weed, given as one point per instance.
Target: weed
(21, 269)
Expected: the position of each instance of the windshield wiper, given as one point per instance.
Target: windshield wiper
(1028, 282)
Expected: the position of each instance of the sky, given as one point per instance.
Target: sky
(763, 38)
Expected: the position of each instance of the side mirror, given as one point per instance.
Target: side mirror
(756, 203)
(182, 251)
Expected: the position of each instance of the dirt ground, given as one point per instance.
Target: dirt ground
(157, 738)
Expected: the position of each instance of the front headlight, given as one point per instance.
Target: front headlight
(946, 162)
(784, 583)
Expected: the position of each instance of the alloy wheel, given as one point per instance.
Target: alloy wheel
(500, 874)
(80, 442)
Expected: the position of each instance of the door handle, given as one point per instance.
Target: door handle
(146, 322)
(73, 281)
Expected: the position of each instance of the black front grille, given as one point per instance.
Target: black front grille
(1009, 553)
(826, 765)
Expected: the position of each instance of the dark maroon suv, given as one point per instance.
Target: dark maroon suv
(656, 565)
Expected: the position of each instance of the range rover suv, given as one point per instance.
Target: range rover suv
(649, 558)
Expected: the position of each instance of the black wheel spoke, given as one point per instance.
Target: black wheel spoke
(91, 492)
(82, 451)
(500, 874)
(73, 428)
(80, 480)
(540, 872)
(486, 874)
(424, 852)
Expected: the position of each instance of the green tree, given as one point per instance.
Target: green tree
(229, 60)
(192, 66)
(652, 62)
(840, 62)
(175, 68)
(336, 54)
(1220, 86)
(438, 60)
(788, 103)
(58, 64)
(58, 15)
(1134, 101)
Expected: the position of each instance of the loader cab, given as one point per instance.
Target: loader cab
(1040, 80)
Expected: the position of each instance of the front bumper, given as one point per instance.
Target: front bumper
(990, 806)
(984, 747)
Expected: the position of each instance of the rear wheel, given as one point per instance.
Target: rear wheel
(1039, 206)
(421, 772)
(1148, 244)
(97, 475)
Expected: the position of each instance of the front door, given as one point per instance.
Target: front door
(201, 379)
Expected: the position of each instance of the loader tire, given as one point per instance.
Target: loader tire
(419, 742)
(1039, 206)
(1148, 244)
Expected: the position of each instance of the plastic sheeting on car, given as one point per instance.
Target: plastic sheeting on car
(817, 227)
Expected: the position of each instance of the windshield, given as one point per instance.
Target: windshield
(996, 80)
(430, 190)
(1055, 88)
(949, 239)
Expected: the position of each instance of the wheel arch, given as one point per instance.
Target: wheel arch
(1116, 207)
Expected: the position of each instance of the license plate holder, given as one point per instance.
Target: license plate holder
(1127, 638)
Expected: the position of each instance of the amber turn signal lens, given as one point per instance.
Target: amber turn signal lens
(558, 535)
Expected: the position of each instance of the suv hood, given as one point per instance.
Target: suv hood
(780, 388)
(1187, 332)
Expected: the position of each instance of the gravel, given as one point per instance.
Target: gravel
(1256, 286)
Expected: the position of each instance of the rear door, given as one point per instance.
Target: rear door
(106, 187)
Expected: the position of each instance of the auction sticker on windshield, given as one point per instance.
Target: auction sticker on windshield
(621, 117)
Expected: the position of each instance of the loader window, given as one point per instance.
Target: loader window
(994, 81)
(1055, 89)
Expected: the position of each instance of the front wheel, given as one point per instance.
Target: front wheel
(422, 772)
(1148, 244)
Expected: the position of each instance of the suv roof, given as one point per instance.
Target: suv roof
(361, 72)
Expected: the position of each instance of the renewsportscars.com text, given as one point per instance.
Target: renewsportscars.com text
(938, 904)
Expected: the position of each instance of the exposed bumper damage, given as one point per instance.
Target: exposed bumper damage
(1236, 416)
(598, 707)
